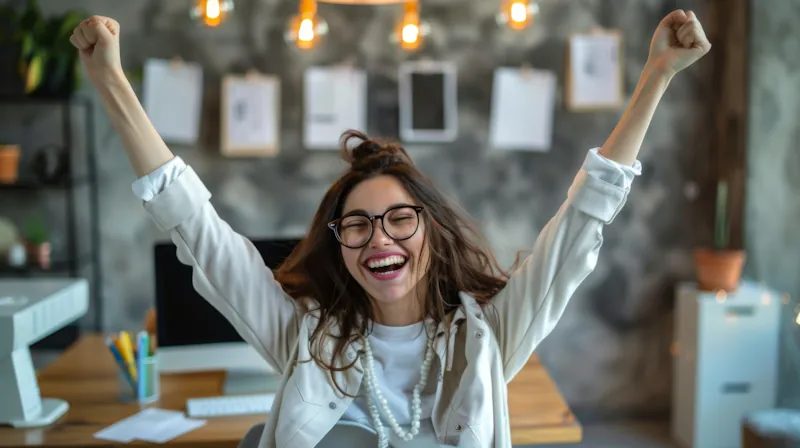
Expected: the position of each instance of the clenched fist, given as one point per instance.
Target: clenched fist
(679, 41)
(97, 39)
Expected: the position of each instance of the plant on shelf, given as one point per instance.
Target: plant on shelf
(37, 242)
(720, 267)
(45, 59)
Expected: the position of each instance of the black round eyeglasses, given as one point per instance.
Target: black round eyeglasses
(355, 229)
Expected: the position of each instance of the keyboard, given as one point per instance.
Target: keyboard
(229, 405)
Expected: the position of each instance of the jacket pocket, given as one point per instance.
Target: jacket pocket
(477, 435)
(296, 411)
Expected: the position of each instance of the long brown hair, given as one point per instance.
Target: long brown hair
(459, 257)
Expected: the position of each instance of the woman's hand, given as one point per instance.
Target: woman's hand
(678, 42)
(97, 40)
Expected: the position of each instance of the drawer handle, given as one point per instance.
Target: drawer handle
(740, 311)
(736, 388)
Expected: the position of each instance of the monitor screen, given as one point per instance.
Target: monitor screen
(186, 318)
(428, 101)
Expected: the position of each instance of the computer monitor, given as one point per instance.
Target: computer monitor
(192, 334)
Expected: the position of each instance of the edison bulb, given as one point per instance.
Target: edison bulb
(518, 14)
(410, 33)
(306, 30)
(211, 12)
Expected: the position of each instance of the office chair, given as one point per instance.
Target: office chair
(343, 435)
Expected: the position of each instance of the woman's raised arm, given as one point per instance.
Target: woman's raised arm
(227, 270)
(678, 42)
(97, 40)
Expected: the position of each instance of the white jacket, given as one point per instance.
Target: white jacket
(488, 348)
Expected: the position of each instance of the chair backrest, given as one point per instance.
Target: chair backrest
(343, 435)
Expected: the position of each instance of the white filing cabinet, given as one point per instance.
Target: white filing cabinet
(725, 363)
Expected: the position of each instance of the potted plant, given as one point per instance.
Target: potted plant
(9, 163)
(37, 243)
(720, 267)
(46, 61)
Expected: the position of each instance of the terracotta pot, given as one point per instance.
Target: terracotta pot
(9, 163)
(718, 269)
(39, 254)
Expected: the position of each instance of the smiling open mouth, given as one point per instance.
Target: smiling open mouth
(388, 265)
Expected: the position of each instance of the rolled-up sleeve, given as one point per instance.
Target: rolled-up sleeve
(564, 254)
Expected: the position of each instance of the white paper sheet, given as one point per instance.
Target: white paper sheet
(253, 114)
(175, 429)
(173, 96)
(595, 70)
(151, 425)
(335, 100)
(523, 104)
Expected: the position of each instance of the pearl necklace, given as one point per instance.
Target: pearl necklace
(416, 402)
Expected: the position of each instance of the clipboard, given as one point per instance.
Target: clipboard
(594, 71)
(173, 99)
(250, 115)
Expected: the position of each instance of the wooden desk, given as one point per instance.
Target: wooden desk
(85, 376)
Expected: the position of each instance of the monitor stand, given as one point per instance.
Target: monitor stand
(248, 382)
(22, 406)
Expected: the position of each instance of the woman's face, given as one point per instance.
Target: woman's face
(388, 269)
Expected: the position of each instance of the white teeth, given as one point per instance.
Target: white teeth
(388, 261)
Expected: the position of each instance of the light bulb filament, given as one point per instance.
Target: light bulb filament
(212, 9)
(410, 33)
(305, 32)
(518, 12)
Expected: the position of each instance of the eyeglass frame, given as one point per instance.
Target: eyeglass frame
(333, 225)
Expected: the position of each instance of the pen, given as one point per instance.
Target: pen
(120, 361)
(125, 347)
(142, 353)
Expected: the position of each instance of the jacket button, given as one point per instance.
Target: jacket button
(479, 335)
(332, 405)
(351, 355)
(458, 427)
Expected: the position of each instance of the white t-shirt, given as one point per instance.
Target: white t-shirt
(398, 353)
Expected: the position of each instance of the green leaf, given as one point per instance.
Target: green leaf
(28, 46)
(77, 76)
(69, 22)
(31, 17)
(35, 73)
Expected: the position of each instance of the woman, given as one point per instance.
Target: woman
(390, 314)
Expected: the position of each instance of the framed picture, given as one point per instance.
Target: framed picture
(594, 71)
(250, 116)
(428, 101)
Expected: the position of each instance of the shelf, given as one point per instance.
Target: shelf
(58, 268)
(28, 185)
(30, 99)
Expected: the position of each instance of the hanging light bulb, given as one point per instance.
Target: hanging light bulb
(211, 12)
(411, 31)
(307, 27)
(517, 14)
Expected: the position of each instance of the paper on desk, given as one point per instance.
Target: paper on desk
(175, 429)
(151, 425)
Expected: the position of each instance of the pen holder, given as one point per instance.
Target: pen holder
(130, 390)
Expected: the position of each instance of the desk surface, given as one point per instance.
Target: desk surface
(85, 376)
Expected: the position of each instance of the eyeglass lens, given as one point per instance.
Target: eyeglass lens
(398, 224)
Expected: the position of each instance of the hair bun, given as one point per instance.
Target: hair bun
(369, 152)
